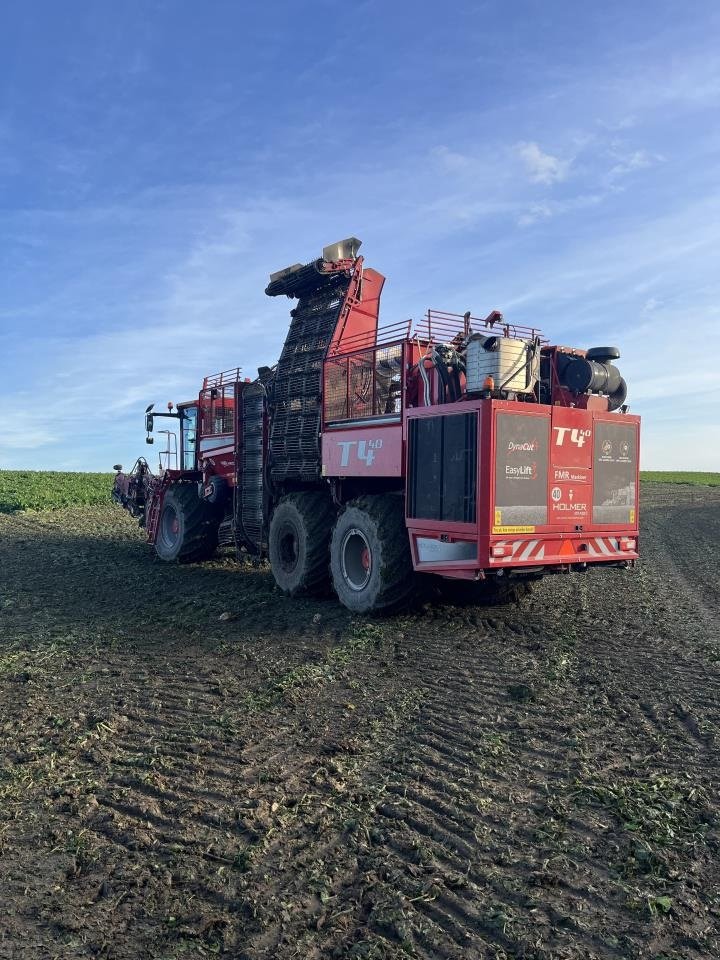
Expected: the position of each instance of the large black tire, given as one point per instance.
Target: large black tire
(484, 593)
(370, 558)
(188, 526)
(298, 543)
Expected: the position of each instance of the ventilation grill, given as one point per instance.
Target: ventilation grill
(443, 468)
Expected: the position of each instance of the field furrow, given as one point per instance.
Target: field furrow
(193, 765)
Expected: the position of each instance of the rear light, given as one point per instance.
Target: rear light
(497, 551)
(627, 543)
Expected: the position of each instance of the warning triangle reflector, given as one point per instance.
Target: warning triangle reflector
(566, 549)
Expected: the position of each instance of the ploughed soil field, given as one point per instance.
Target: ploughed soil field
(193, 765)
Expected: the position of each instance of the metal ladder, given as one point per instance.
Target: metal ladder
(151, 523)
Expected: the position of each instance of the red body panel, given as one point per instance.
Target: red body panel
(357, 325)
(553, 450)
(363, 451)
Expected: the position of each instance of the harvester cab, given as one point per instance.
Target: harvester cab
(461, 449)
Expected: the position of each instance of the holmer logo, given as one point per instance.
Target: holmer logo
(525, 446)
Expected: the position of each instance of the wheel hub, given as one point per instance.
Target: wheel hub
(356, 559)
(289, 551)
(170, 525)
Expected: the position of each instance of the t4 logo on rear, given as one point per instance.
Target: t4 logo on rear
(578, 437)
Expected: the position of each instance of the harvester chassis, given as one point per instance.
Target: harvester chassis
(467, 451)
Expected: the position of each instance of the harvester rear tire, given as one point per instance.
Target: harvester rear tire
(298, 543)
(370, 559)
(188, 526)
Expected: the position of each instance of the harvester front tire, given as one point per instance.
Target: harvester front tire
(298, 543)
(188, 527)
(370, 556)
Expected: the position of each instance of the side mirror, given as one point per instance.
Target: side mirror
(148, 422)
(149, 439)
(118, 467)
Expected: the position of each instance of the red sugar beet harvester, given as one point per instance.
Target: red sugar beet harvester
(468, 452)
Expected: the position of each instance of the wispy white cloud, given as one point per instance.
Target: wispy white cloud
(556, 205)
(627, 163)
(615, 125)
(537, 211)
(25, 426)
(206, 309)
(542, 167)
(452, 160)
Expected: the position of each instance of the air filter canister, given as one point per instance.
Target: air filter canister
(582, 376)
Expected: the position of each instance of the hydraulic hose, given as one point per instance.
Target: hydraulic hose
(441, 368)
(425, 378)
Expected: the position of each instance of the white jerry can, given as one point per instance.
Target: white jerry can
(512, 363)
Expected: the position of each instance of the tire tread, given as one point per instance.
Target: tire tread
(201, 527)
(397, 577)
(316, 511)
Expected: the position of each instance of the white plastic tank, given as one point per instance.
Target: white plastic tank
(511, 363)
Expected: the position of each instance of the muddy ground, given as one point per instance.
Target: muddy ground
(194, 766)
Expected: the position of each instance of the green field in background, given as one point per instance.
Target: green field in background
(50, 489)
(687, 476)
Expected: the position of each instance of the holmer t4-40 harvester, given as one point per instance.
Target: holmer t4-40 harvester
(461, 448)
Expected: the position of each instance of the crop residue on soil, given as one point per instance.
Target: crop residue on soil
(285, 781)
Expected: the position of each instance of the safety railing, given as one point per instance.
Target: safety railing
(217, 409)
(390, 333)
(233, 375)
(365, 384)
(439, 326)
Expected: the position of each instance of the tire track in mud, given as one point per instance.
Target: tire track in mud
(451, 835)
(451, 785)
(170, 783)
(460, 831)
(158, 759)
(675, 650)
(684, 541)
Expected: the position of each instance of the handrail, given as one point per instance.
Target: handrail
(398, 341)
(390, 332)
(233, 375)
(437, 326)
(448, 325)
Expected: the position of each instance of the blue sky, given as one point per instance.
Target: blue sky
(557, 161)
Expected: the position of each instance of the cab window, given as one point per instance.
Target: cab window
(188, 435)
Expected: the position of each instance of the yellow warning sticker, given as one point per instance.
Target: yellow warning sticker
(498, 516)
(632, 515)
(513, 529)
